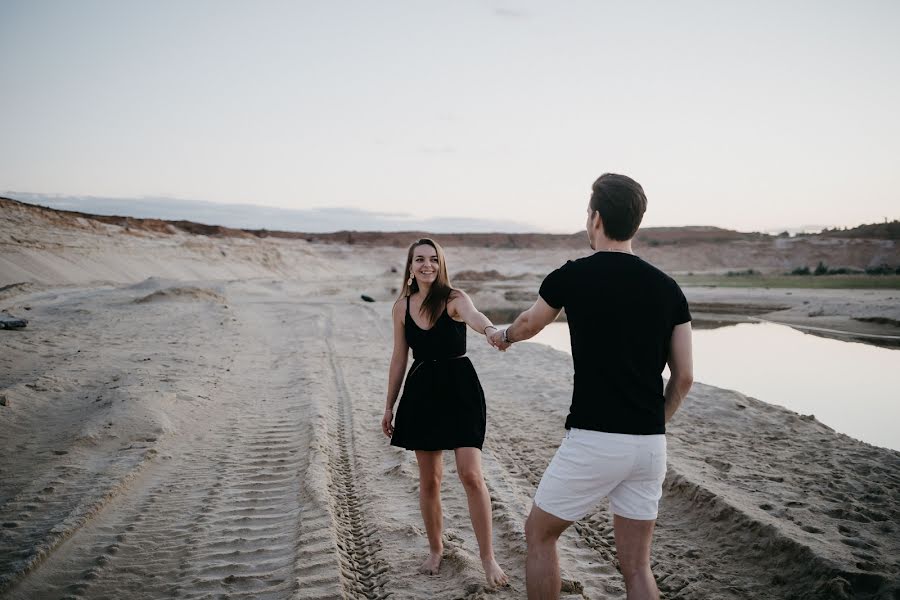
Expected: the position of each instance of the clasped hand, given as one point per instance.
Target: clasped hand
(495, 339)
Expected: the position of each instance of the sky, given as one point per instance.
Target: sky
(746, 115)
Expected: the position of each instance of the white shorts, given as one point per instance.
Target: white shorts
(589, 465)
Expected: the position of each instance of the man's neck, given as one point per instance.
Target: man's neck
(604, 244)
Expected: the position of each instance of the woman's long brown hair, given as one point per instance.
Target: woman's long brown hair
(434, 303)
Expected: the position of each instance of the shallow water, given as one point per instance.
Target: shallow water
(852, 387)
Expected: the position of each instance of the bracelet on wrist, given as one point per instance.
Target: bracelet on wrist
(484, 331)
(506, 339)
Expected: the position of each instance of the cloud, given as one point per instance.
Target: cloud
(510, 13)
(247, 216)
(437, 150)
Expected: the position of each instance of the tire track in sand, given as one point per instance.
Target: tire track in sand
(218, 516)
(593, 543)
(391, 489)
(364, 573)
(70, 409)
(587, 549)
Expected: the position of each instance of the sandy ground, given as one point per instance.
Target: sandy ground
(199, 418)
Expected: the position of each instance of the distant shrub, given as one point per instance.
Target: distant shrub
(742, 273)
(844, 271)
(821, 269)
(801, 271)
(882, 270)
(889, 230)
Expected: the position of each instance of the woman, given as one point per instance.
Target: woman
(442, 407)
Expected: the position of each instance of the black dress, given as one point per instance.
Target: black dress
(442, 406)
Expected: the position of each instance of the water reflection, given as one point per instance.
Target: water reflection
(852, 387)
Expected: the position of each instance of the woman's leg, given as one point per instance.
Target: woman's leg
(431, 470)
(468, 465)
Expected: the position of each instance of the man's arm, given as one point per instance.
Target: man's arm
(527, 324)
(681, 365)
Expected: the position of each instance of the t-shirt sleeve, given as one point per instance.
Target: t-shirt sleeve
(682, 310)
(554, 290)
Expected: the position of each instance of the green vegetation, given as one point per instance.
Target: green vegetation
(822, 269)
(882, 270)
(889, 230)
(843, 281)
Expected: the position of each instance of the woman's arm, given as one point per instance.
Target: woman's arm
(460, 308)
(399, 358)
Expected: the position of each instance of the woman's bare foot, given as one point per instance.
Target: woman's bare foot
(432, 564)
(493, 573)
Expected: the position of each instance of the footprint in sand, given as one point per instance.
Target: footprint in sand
(77, 589)
(718, 464)
(847, 515)
(867, 566)
(811, 529)
(858, 543)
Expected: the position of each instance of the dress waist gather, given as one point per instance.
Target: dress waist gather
(419, 362)
(435, 358)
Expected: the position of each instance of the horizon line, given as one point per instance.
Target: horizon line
(773, 231)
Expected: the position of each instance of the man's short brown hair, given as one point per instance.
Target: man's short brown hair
(621, 202)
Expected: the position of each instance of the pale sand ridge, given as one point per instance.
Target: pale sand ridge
(223, 439)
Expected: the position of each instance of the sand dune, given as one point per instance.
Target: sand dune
(197, 425)
(183, 293)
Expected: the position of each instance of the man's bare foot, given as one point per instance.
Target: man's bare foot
(432, 564)
(493, 573)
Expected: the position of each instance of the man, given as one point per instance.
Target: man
(627, 320)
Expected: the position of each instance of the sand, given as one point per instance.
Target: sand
(200, 417)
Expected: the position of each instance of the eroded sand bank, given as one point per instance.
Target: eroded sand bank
(228, 443)
(214, 432)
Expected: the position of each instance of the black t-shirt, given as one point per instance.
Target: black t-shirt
(621, 312)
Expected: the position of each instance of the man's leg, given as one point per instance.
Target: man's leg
(542, 565)
(633, 549)
(431, 470)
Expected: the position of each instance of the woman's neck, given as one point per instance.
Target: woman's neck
(424, 289)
